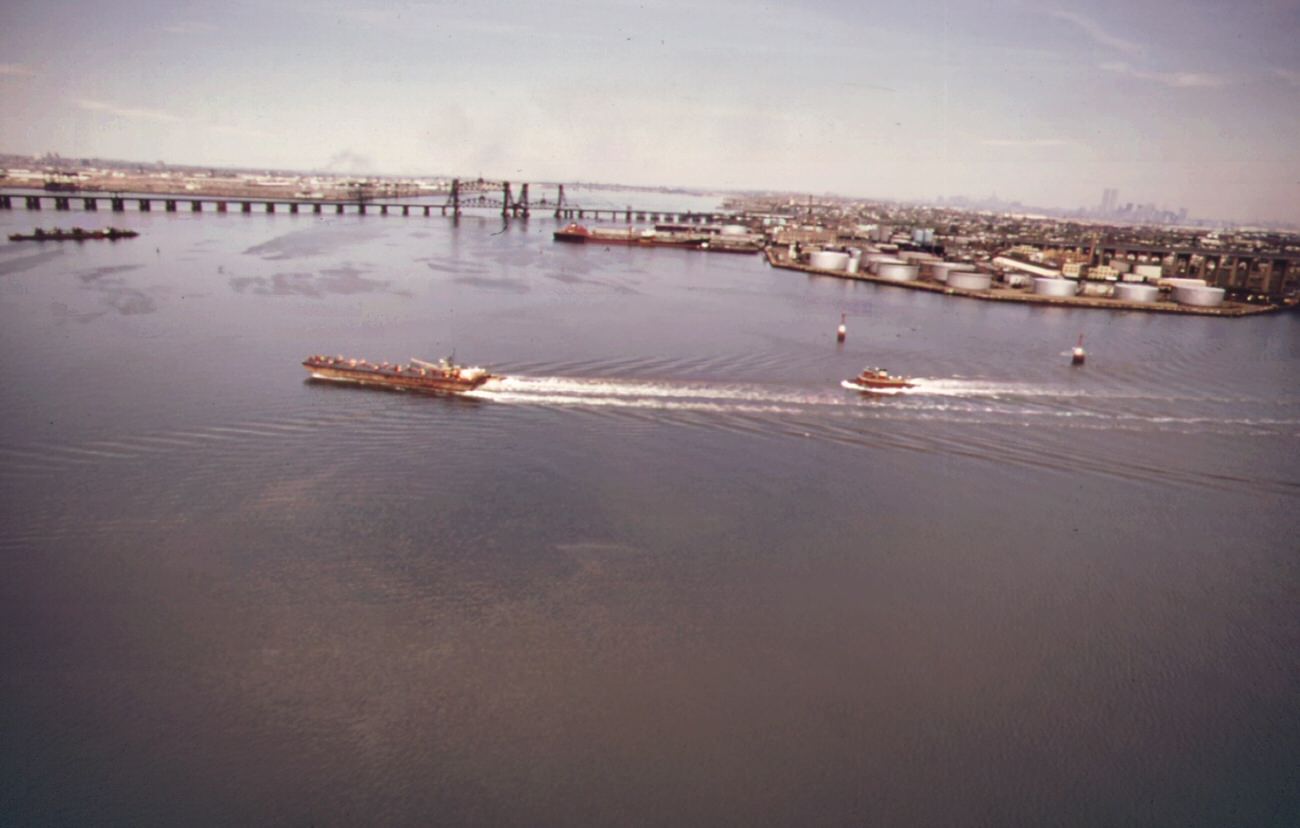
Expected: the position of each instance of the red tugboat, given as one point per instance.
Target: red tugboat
(417, 375)
(572, 233)
(877, 380)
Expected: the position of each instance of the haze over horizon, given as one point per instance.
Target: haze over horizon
(1192, 104)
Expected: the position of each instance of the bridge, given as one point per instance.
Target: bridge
(498, 197)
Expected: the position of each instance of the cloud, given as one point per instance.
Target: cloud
(131, 113)
(1179, 80)
(1025, 142)
(16, 70)
(1291, 76)
(1096, 32)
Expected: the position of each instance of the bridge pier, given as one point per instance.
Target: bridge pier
(196, 206)
(5, 203)
(90, 204)
(33, 203)
(338, 209)
(361, 209)
(170, 205)
(293, 208)
(406, 209)
(316, 208)
(118, 205)
(61, 203)
(221, 207)
(246, 207)
(145, 205)
(426, 210)
(270, 206)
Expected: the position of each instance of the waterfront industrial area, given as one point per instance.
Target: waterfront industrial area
(973, 253)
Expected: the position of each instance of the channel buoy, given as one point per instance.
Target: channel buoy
(842, 331)
(1077, 356)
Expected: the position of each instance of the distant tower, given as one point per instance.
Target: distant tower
(1109, 198)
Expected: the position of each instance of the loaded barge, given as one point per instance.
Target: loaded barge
(443, 376)
(75, 234)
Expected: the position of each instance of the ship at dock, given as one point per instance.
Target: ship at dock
(75, 234)
(691, 239)
(443, 376)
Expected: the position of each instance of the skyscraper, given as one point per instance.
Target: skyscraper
(1109, 198)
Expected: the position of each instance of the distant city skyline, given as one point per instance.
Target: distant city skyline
(1192, 104)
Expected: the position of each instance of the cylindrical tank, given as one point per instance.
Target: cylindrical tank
(939, 270)
(829, 260)
(1132, 292)
(897, 271)
(1199, 295)
(969, 280)
(1054, 287)
(855, 260)
(877, 259)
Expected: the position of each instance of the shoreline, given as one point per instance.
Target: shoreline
(1232, 310)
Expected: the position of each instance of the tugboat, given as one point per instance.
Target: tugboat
(877, 380)
(1078, 355)
(417, 375)
(75, 234)
(572, 233)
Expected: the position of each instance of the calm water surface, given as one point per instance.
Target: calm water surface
(667, 572)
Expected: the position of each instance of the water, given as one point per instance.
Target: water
(668, 571)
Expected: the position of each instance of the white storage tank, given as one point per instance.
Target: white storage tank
(878, 259)
(1201, 296)
(829, 260)
(1045, 286)
(939, 270)
(1173, 283)
(1131, 292)
(897, 271)
(969, 280)
(855, 260)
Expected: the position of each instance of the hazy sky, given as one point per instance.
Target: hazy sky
(1192, 104)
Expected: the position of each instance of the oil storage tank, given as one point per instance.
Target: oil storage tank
(1134, 292)
(898, 271)
(1201, 296)
(939, 270)
(969, 280)
(829, 260)
(1048, 286)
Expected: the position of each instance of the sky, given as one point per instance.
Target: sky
(1190, 104)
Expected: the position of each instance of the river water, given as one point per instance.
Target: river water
(668, 571)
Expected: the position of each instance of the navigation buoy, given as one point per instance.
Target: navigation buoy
(841, 332)
(1078, 355)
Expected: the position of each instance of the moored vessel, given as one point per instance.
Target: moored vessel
(873, 380)
(416, 375)
(75, 234)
